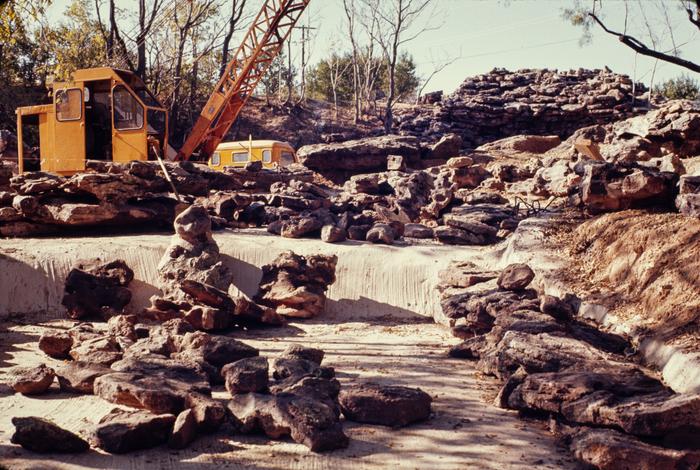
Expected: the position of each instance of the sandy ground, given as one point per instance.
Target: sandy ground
(465, 431)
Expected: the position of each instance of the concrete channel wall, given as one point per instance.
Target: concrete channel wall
(372, 280)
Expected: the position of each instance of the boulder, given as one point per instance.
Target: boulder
(303, 352)
(102, 350)
(417, 231)
(155, 383)
(386, 405)
(31, 380)
(536, 144)
(246, 375)
(209, 414)
(308, 421)
(608, 449)
(333, 234)
(184, 430)
(447, 147)
(358, 156)
(56, 344)
(122, 431)
(79, 377)
(381, 233)
(515, 277)
(42, 436)
(98, 290)
(215, 349)
(295, 286)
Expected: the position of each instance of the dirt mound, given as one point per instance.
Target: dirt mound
(651, 264)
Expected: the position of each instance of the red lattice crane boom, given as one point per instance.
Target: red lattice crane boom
(259, 48)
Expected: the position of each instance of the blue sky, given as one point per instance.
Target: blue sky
(483, 34)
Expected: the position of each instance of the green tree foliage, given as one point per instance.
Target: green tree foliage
(76, 43)
(683, 87)
(321, 83)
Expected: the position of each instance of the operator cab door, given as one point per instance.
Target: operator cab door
(68, 155)
(129, 140)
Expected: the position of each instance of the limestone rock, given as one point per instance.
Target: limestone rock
(184, 430)
(381, 233)
(308, 421)
(101, 350)
(246, 375)
(192, 255)
(31, 380)
(608, 449)
(303, 352)
(122, 431)
(417, 231)
(42, 436)
(516, 277)
(386, 405)
(98, 290)
(56, 344)
(79, 377)
(333, 234)
(295, 285)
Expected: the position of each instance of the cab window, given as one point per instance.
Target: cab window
(216, 159)
(69, 105)
(286, 159)
(267, 156)
(128, 112)
(241, 157)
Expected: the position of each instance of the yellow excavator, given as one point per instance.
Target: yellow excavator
(109, 114)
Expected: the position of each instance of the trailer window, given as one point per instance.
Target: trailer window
(286, 159)
(69, 105)
(240, 157)
(216, 159)
(128, 112)
(267, 156)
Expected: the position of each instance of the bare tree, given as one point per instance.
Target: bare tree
(237, 9)
(337, 68)
(306, 41)
(587, 16)
(194, 15)
(146, 20)
(351, 14)
(398, 18)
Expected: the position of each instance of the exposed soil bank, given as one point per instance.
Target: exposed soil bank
(373, 280)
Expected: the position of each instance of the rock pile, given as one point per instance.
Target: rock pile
(612, 413)
(125, 195)
(165, 374)
(632, 163)
(500, 104)
(195, 281)
(295, 286)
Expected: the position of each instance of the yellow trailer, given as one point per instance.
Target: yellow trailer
(272, 154)
(100, 114)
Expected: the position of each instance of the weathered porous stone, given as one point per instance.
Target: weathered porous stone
(79, 377)
(516, 277)
(42, 436)
(295, 286)
(386, 405)
(246, 375)
(121, 431)
(100, 290)
(31, 380)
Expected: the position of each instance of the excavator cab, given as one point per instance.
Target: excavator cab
(100, 114)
